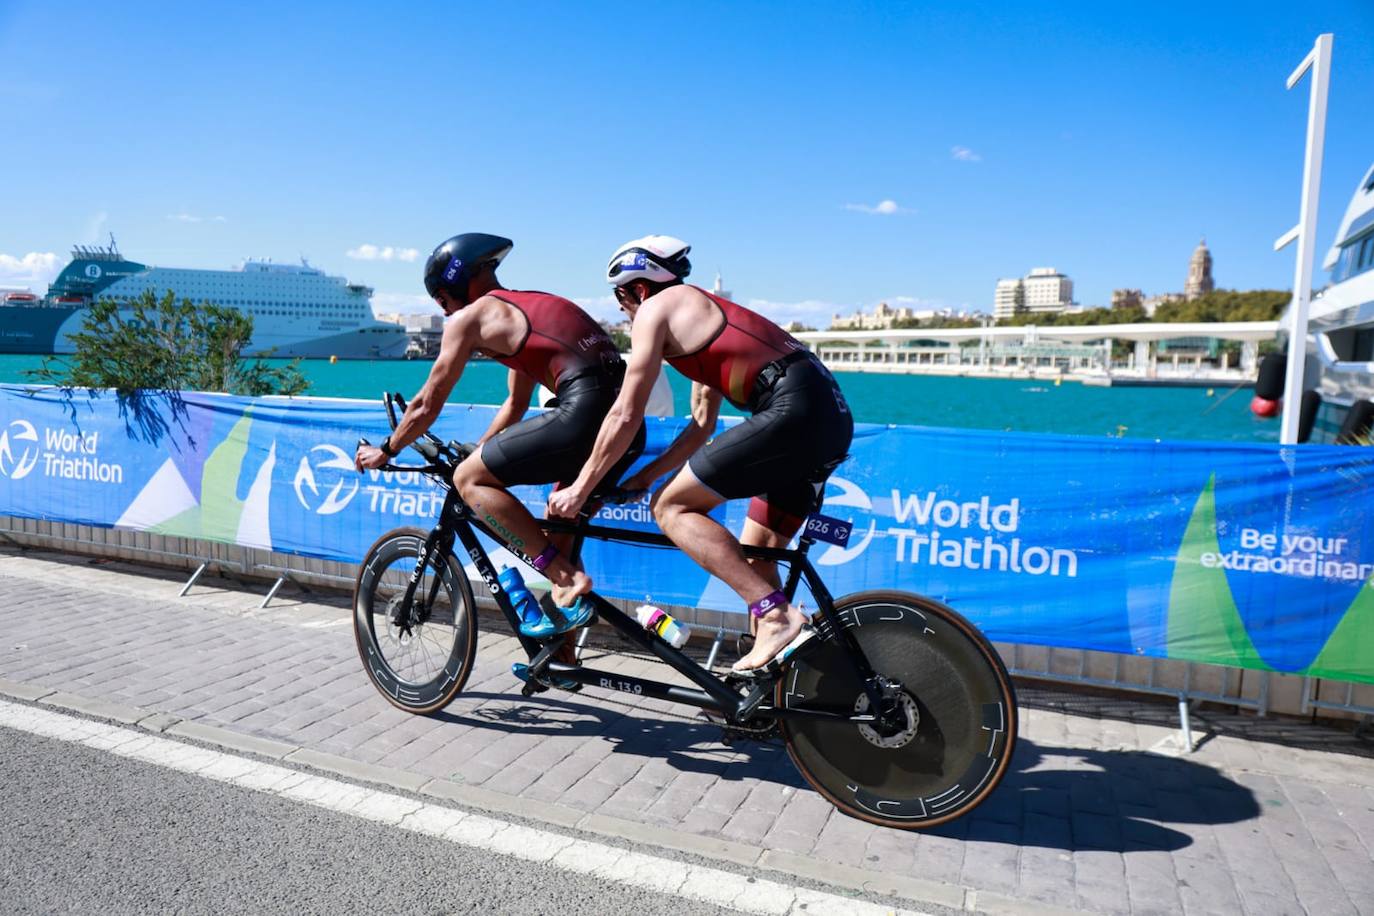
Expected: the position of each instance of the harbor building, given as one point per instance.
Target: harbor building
(1042, 290)
(1126, 298)
(424, 331)
(884, 316)
(1151, 304)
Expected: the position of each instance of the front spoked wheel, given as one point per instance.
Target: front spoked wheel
(418, 653)
(951, 737)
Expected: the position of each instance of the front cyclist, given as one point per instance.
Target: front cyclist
(543, 339)
(799, 431)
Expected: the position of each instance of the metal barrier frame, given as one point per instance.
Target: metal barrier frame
(1186, 695)
(283, 567)
(1311, 699)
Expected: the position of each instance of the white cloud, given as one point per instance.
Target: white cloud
(881, 208)
(188, 218)
(403, 303)
(37, 268)
(369, 252)
(964, 154)
(602, 308)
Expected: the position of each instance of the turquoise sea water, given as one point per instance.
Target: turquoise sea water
(1020, 405)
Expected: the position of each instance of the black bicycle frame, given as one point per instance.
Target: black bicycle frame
(458, 522)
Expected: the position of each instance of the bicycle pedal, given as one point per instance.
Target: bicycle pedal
(542, 681)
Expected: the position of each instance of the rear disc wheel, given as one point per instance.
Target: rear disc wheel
(953, 730)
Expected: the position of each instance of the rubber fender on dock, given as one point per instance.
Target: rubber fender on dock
(1356, 428)
(1269, 381)
(1307, 414)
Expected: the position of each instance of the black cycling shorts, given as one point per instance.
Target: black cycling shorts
(552, 446)
(782, 454)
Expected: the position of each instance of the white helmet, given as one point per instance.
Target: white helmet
(656, 258)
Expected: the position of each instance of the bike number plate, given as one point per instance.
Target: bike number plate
(830, 530)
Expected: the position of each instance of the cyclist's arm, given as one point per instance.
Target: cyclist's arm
(454, 350)
(705, 410)
(517, 403)
(622, 421)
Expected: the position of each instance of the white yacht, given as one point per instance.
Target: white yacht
(1339, 366)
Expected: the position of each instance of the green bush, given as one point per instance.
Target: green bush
(166, 346)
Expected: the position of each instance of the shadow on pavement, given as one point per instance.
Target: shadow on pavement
(1061, 798)
(1116, 801)
(690, 745)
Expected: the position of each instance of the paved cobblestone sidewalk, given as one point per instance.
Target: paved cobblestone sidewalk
(1097, 814)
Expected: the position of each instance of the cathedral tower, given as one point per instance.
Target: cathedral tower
(1199, 273)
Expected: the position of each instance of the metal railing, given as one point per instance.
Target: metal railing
(1187, 693)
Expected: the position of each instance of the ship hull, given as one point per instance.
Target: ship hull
(363, 343)
(36, 330)
(47, 331)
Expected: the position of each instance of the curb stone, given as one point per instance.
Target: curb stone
(353, 769)
(99, 709)
(666, 838)
(926, 891)
(24, 691)
(911, 890)
(211, 734)
(159, 721)
(490, 800)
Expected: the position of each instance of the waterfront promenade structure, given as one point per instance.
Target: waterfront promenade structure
(1082, 352)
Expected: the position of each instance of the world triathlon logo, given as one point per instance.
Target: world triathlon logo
(18, 450)
(334, 472)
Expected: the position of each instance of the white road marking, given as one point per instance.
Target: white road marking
(609, 863)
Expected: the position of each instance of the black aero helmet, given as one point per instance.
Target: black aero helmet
(457, 261)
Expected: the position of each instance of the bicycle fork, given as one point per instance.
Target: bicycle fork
(402, 618)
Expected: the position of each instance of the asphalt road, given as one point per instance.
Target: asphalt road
(83, 831)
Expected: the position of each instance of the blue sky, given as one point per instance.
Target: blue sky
(1096, 138)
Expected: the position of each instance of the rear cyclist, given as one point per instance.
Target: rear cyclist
(799, 431)
(543, 339)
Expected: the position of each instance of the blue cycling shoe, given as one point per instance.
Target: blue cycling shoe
(522, 671)
(556, 620)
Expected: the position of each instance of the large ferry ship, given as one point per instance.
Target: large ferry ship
(297, 310)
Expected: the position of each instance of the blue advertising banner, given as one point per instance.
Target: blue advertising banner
(1255, 556)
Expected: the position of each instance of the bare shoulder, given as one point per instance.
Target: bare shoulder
(684, 305)
(689, 317)
(494, 324)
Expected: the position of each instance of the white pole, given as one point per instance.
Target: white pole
(1319, 61)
